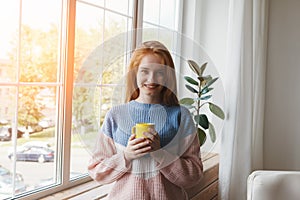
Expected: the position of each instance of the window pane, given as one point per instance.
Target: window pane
(6, 113)
(36, 145)
(168, 20)
(39, 40)
(160, 26)
(115, 24)
(8, 10)
(28, 88)
(100, 68)
(155, 13)
(118, 6)
(151, 11)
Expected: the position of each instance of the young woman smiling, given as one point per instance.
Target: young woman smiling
(162, 164)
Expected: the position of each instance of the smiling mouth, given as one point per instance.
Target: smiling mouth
(151, 86)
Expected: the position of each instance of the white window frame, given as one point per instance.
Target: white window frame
(64, 94)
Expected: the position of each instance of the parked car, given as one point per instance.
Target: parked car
(5, 135)
(6, 183)
(36, 143)
(6, 131)
(35, 153)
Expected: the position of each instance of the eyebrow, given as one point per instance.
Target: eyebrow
(143, 67)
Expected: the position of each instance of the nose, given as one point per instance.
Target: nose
(152, 77)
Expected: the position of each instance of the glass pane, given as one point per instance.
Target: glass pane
(101, 48)
(115, 24)
(27, 126)
(8, 30)
(35, 139)
(39, 40)
(154, 13)
(168, 37)
(168, 20)
(7, 109)
(89, 32)
(118, 6)
(8, 10)
(36, 143)
(152, 10)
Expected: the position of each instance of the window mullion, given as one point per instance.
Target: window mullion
(68, 62)
(15, 120)
(137, 22)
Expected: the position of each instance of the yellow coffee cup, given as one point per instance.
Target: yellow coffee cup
(140, 128)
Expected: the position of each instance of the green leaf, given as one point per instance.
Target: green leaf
(206, 97)
(202, 120)
(206, 90)
(201, 136)
(194, 66)
(186, 101)
(191, 80)
(212, 132)
(190, 88)
(203, 67)
(210, 82)
(197, 99)
(216, 110)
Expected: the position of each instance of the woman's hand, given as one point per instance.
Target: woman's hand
(136, 147)
(153, 138)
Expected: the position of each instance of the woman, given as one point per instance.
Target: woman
(164, 162)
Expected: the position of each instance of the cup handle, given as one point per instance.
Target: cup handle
(133, 130)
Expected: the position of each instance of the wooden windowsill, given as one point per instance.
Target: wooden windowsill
(206, 189)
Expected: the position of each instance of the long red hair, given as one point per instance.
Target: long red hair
(169, 92)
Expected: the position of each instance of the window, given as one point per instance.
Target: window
(54, 53)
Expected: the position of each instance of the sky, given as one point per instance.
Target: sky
(36, 18)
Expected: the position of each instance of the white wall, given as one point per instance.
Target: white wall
(206, 23)
(212, 35)
(282, 107)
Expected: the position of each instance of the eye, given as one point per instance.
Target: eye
(160, 73)
(144, 71)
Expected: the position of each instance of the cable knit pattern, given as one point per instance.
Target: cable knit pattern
(160, 175)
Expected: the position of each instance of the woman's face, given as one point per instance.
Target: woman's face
(151, 77)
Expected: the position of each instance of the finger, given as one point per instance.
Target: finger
(138, 140)
(148, 135)
(143, 150)
(151, 136)
(132, 136)
(153, 132)
(140, 145)
(135, 141)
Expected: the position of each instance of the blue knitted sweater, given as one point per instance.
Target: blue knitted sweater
(168, 120)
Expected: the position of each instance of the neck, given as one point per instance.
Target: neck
(148, 100)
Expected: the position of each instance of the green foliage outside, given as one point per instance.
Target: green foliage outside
(38, 62)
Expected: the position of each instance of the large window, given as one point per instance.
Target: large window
(62, 66)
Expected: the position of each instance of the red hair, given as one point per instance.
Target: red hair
(156, 48)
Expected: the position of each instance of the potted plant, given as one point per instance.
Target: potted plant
(201, 88)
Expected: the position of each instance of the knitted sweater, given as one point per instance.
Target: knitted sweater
(160, 175)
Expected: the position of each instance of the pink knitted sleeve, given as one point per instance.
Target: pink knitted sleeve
(184, 171)
(107, 163)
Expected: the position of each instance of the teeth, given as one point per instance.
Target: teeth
(151, 86)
